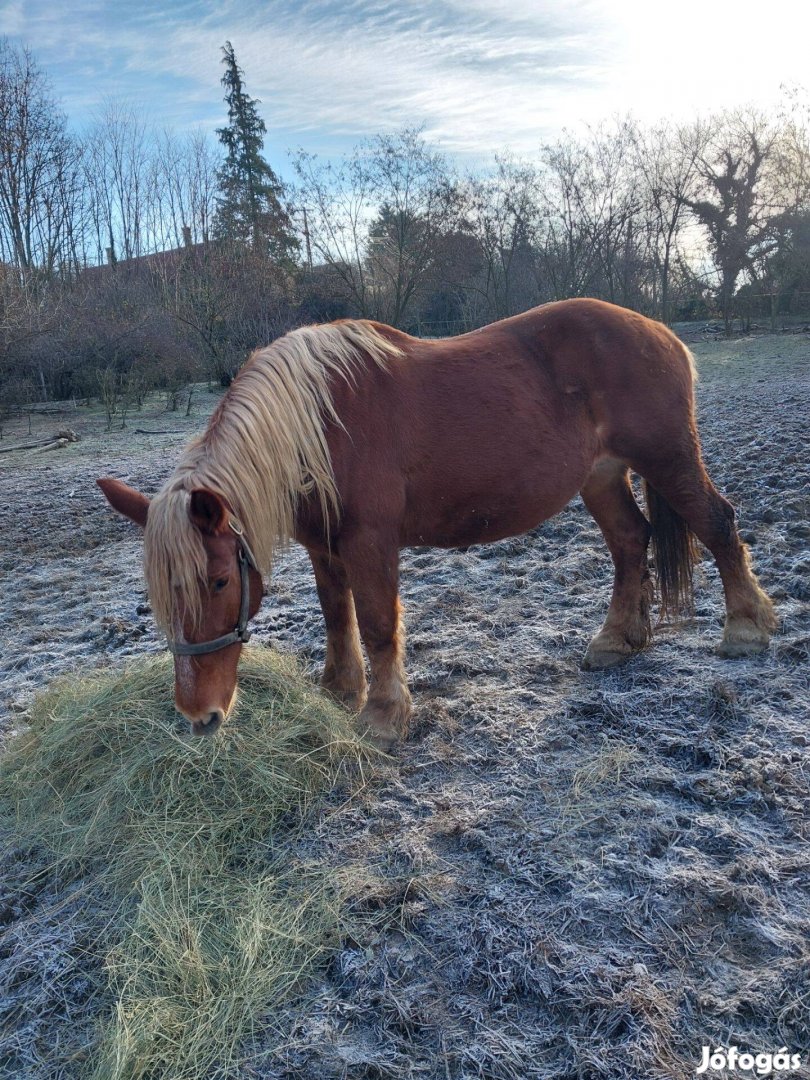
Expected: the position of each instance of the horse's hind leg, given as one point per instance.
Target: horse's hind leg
(608, 496)
(372, 565)
(344, 671)
(682, 481)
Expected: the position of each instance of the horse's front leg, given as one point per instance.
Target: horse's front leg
(372, 565)
(344, 673)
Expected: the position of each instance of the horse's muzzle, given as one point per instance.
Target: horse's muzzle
(209, 723)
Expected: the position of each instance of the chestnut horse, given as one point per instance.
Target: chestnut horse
(357, 440)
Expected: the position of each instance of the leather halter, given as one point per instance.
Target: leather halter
(240, 634)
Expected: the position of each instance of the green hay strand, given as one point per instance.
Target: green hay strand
(192, 843)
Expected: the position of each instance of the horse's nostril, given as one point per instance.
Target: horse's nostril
(208, 723)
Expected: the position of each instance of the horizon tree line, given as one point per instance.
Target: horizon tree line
(146, 258)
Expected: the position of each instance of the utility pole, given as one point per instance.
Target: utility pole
(306, 239)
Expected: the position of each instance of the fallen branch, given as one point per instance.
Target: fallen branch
(166, 431)
(19, 446)
(50, 442)
(57, 444)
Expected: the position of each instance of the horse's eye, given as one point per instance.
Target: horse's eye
(220, 584)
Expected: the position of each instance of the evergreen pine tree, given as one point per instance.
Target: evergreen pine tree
(249, 208)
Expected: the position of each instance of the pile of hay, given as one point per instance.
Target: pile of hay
(191, 845)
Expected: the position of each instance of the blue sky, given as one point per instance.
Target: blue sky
(480, 75)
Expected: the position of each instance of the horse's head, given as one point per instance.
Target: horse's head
(205, 619)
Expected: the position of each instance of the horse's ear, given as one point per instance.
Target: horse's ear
(124, 499)
(208, 512)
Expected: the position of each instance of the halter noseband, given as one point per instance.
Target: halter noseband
(240, 633)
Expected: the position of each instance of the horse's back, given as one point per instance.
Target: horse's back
(572, 346)
(467, 439)
(595, 345)
(634, 377)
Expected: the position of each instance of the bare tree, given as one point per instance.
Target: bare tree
(337, 201)
(667, 158)
(501, 213)
(786, 271)
(792, 149)
(38, 168)
(182, 189)
(377, 219)
(609, 207)
(566, 253)
(594, 236)
(740, 203)
(117, 172)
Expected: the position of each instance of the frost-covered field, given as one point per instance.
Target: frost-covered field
(594, 874)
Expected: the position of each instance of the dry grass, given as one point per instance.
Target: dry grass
(189, 844)
(577, 874)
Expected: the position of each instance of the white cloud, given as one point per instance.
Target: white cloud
(479, 74)
(12, 17)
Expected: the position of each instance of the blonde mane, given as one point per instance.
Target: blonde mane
(265, 448)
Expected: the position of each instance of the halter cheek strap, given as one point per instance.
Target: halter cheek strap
(240, 634)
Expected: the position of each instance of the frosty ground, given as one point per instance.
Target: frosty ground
(594, 874)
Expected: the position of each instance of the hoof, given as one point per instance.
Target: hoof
(606, 652)
(383, 740)
(598, 661)
(741, 638)
(385, 723)
(735, 650)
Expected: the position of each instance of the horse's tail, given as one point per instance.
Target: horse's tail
(674, 552)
